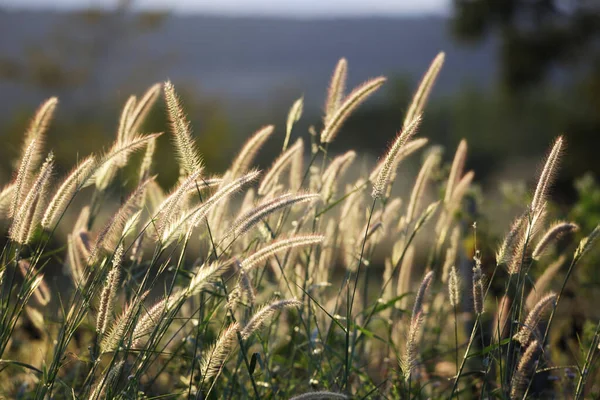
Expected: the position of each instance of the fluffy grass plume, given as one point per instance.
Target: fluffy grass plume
(422, 94)
(242, 162)
(187, 154)
(389, 161)
(265, 314)
(350, 103)
(530, 326)
(337, 87)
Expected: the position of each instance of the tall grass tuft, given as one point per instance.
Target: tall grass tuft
(157, 295)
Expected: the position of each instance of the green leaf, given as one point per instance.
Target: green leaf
(490, 348)
(384, 306)
(253, 360)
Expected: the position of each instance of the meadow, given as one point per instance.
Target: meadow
(316, 278)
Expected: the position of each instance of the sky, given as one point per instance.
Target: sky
(297, 8)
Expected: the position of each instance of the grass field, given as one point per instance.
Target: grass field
(299, 281)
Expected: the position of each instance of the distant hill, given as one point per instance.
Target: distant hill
(240, 60)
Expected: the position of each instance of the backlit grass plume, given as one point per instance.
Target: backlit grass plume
(422, 94)
(244, 159)
(214, 357)
(546, 176)
(278, 246)
(530, 326)
(354, 99)
(337, 86)
(187, 154)
(27, 214)
(389, 161)
(66, 192)
(265, 314)
(246, 221)
(283, 162)
(416, 324)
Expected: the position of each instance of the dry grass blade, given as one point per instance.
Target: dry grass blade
(543, 282)
(453, 287)
(166, 211)
(478, 292)
(122, 133)
(42, 292)
(586, 243)
(451, 253)
(405, 276)
(205, 276)
(423, 289)
(148, 321)
(512, 238)
(146, 165)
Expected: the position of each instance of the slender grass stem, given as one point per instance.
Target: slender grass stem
(464, 359)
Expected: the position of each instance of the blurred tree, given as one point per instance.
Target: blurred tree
(552, 43)
(536, 35)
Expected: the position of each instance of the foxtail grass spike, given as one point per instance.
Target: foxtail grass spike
(422, 94)
(244, 160)
(337, 86)
(478, 285)
(386, 170)
(349, 104)
(530, 326)
(265, 314)
(546, 177)
(189, 158)
(552, 234)
(293, 116)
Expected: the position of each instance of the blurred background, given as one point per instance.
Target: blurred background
(518, 73)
